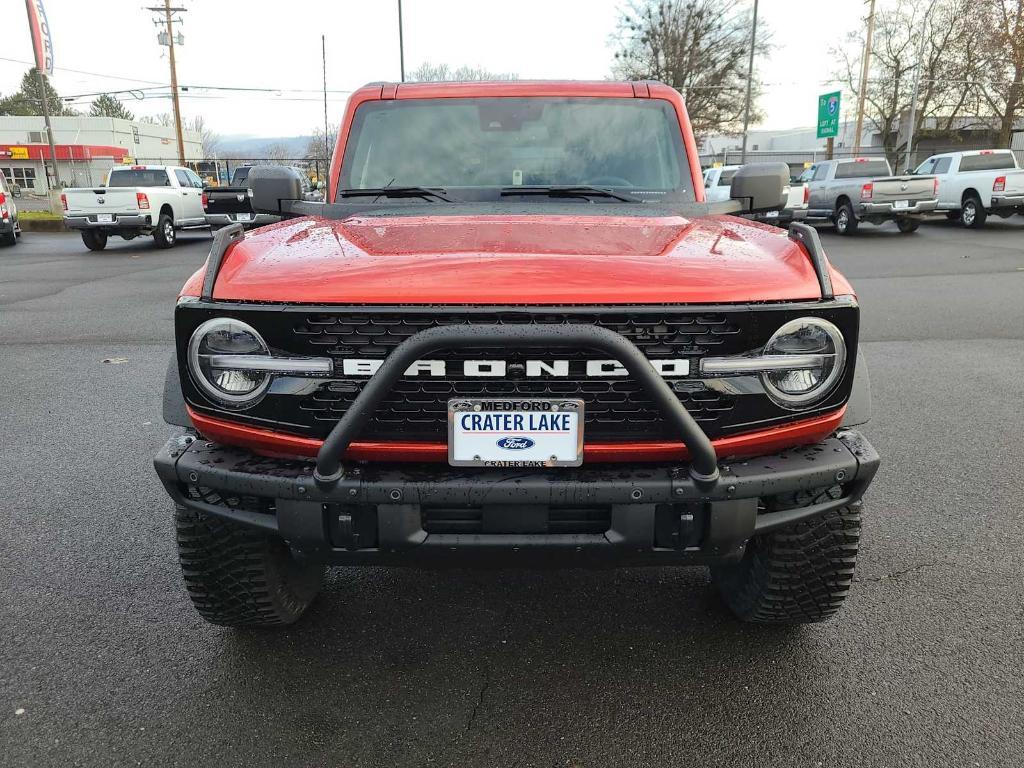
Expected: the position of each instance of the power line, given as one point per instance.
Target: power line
(84, 72)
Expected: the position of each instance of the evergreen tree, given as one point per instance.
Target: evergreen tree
(109, 106)
(28, 100)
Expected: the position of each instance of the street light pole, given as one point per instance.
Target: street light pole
(401, 44)
(750, 82)
(917, 83)
(864, 69)
(327, 141)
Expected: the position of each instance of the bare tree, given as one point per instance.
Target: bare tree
(949, 64)
(1002, 82)
(164, 118)
(207, 137)
(700, 48)
(434, 73)
(317, 147)
(276, 152)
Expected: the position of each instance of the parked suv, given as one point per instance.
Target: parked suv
(10, 230)
(516, 334)
(849, 191)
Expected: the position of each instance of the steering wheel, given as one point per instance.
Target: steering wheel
(609, 181)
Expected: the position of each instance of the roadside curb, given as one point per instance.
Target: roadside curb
(42, 225)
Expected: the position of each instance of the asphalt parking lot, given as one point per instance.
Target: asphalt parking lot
(103, 661)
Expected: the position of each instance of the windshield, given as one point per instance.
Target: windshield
(477, 145)
(131, 177)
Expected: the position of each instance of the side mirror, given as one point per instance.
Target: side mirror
(761, 186)
(270, 184)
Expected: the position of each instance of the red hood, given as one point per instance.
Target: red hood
(517, 259)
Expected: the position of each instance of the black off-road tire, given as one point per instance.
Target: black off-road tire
(94, 240)
(239, 577)
(9, 238)
(906, 226)
(165, 236)
(973, 213)
(845, 220)
(795, 575)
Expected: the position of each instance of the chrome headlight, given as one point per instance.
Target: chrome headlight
(231, 363)
(801, 363)
(806, 358)
(216, 349)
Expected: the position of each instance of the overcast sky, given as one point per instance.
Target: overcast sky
(276, 44)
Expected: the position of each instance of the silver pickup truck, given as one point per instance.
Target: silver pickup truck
(849, 191)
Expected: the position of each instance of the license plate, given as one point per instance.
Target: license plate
(105, 218)
(243, 217)
(515, 433)
(901, 205)
(771, 215)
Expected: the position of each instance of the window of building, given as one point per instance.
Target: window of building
(23, 177)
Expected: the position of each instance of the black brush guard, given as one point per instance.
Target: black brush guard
(703, 466)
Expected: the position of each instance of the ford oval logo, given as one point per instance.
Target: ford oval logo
(515, 443)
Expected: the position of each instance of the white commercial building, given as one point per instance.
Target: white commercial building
(86, 147)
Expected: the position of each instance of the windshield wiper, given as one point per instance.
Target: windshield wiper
(576, 190)
(427, 193)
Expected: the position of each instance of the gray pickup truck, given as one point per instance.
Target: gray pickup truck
(849, 191)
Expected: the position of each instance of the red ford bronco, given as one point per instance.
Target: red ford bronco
(515, 333)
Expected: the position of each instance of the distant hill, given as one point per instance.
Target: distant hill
(256, 147)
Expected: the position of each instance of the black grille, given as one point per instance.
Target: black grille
(613, 408)
(616, 409)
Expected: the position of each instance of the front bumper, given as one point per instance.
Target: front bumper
(121, 221)
(255, 220)
(439, 515)
(890, 210)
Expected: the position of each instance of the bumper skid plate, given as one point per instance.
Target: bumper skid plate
(435, 514)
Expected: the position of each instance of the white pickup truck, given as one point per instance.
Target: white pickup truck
(155, 200)
(718, 183)
(975, 184)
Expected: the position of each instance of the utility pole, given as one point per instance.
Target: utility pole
(750, 82)
(917, 83)
(49, 130)
(864, 69)
(167, 11)
(401, 44)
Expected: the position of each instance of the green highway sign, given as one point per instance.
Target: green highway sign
(828, 115)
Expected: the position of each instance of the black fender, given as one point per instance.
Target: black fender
(858, 407)
(174, 402)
